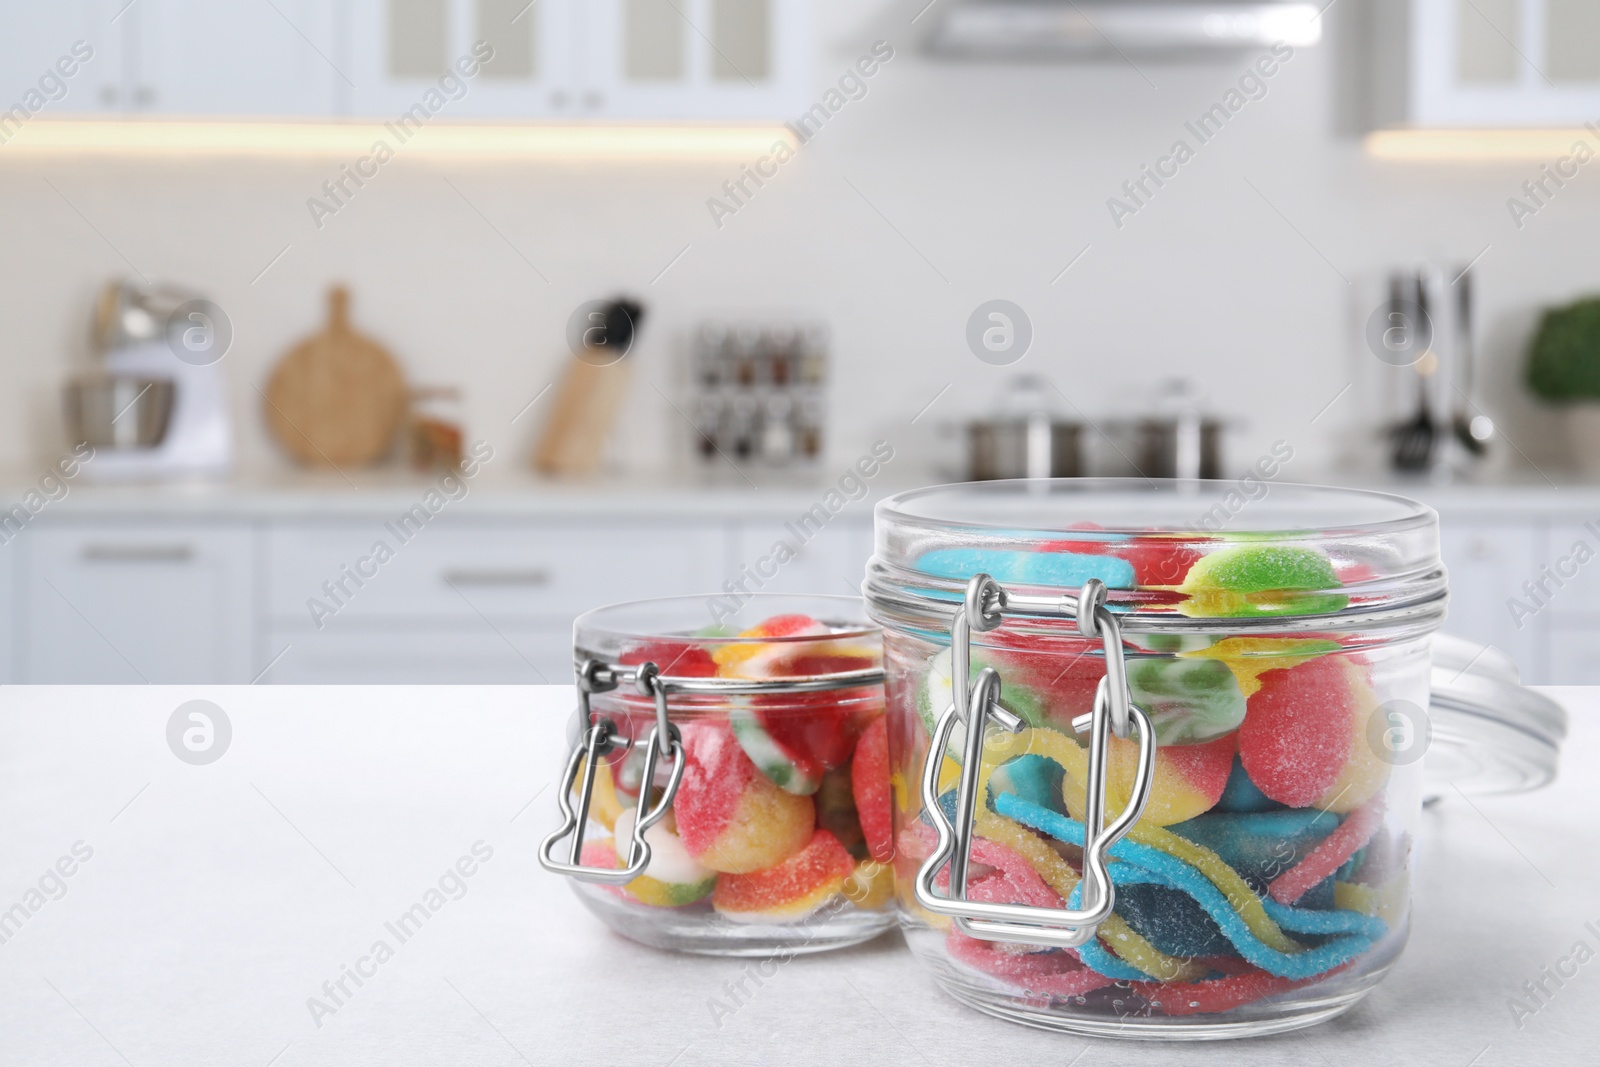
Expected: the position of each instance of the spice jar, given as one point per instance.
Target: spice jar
(1161, 745)
(749, 732)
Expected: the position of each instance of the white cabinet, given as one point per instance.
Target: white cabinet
(832, 560)
(130, 601)
(1488, 562)
(477, 653)
(60, 58)
(1487, 63)
(233, 57)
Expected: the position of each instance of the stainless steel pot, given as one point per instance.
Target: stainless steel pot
(1184, 446)
(1034, 447)
(109, 411)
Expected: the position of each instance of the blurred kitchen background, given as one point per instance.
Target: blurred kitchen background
(565, 302)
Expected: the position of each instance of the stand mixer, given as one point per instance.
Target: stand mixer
(158, 405)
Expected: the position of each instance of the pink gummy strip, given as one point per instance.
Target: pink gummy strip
(1055, 973)
(1329, 856)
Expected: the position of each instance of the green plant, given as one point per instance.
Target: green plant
(1565, 362)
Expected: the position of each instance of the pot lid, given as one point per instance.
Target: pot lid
(1489, 733)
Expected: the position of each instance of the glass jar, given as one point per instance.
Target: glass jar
(1188, 807)
(749, 728)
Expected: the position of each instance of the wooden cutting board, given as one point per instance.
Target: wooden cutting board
(337, 398)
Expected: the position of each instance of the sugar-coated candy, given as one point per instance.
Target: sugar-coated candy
(1032, 777)
(790, 890)
(870, 886)
(1251, 657)
(836, 811)
(1241, 794)
(672, 878)
(787, 770)
(656, 892)
(677, 659)
(730, 816)
(1330, 854)
(1171, 921)
(604, 803)
(1156, 561)
(1051, 973)
(1066, 570)
(1187, 700)
(1188, 781)
(1303, 741)
(1245, 580)
(1263, 845)
(731, 654)
(870, 782)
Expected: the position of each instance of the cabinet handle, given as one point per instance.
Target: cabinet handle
(533, 577)
(138, 553)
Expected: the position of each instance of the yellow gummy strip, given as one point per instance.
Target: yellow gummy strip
(1117, 935)
(1059, 747)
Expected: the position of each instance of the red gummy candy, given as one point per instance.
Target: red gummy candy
(798, 884)
(869, 780)
(676, 659)
(1296, 737)
(1156, 561)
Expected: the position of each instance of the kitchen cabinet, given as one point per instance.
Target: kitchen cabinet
(126, 601)
(1486, 63)
(832, 561)
(1488, 562)
(239, 57)
(81, 37)
(384, 59)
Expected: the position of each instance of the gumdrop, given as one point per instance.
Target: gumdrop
(790, 890)
(731, 817)
(1260, 579)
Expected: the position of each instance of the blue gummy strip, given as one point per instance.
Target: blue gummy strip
(1181, 876)
(1064, 569)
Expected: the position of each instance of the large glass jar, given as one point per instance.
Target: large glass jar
(749, 729)
(1215, 840)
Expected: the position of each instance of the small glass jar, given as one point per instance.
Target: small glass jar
(1189, 805)
(749, 729)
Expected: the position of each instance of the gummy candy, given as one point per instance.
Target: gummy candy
(869, 780)
(672, 878)
(836, 811)
(790, 890)
(1303, 741)
(1067, 570)
(1189, 779)
(656, 892)
(731, 817)
(1260, 579)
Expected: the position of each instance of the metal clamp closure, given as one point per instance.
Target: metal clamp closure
(976, 707)
(600, 739)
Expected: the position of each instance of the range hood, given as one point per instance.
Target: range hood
(1088, 29)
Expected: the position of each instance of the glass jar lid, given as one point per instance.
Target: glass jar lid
(1177, 556)
(1489, 733)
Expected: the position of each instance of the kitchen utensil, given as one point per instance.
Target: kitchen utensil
(590, 395)
(1472, 429)
(1414, 439)
(337, 399)
(435, 428)
(1184, 446)
(112, 411)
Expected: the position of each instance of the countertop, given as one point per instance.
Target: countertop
(507, 491)
(216, 899)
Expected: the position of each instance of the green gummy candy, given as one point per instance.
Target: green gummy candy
(1251, 572)
(1188, 700)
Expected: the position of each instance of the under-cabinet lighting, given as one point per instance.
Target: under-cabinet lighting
(1484, 145)
(510, 141)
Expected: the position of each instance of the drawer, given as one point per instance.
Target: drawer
(131, 601)
(1578, 597)
(381, 572)
(481, 655)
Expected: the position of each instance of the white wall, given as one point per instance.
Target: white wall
(997, 175)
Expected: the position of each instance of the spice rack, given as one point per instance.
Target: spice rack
(760, 394)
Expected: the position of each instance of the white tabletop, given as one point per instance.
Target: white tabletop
(219, 898)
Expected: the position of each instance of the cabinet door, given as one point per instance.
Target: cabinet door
(135, 602)
(1505, 62)
(724, 59)
(1488, 562)
(234, 57)
(832, 561)
(42, 60)
(407, 55)
(480, 654)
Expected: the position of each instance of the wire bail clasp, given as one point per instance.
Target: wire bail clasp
(600, 738)
(975, 706)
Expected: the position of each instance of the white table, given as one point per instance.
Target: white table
(219, 898)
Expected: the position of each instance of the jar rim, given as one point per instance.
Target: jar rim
(900, 508)
(612, 620)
